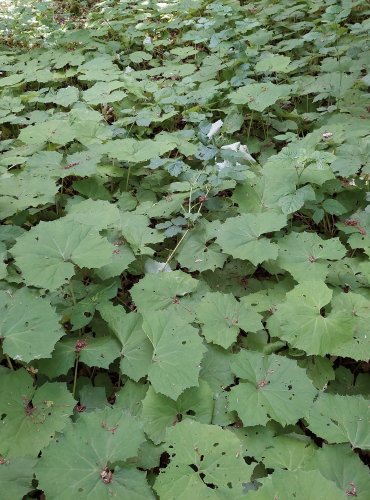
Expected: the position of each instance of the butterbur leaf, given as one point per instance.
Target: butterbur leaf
(3, 254)
(341, 419)
(255, 440)
(136, 350)
(340, 464)
(25, 190)
(292, 202)
(271, 388)
(241, 236)
(273, 63)
(53, 131)
(16, 477)
(177, 353)
(201, 456)
(82, 163)
(29, 325)
(130, 397)
(88, 460)
(48, 253)
(103, 93)
(161, 412)
(259, 96)
(223, 317)
(307, 255)
(64, 97)
(134, 151)
(356, 307)
(94, 213)
(310, 485)
(301, 321)
(290, 452)
(136, 231)
(32, 416)
(197, 254)
(163, 291)
(62, 359)
(93, 351)
(216, 368)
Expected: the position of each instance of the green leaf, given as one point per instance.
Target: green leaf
(223, 317)
(52, 131)
(301, 322)
(309, 485)
(306, 255)
(161, 412)
(3, 255)
(196, 254)
(25, 190)
(341, 419)
(93, 351)
(130, 397)
(290, 452)
(131, 150)
(259, 96)
(216, 370)
(11, 80)
(177, 353)
(29, 325)
(94, 213)
(140, 56)
(136, 349)
(87, 459)
(136, 231)
(340, 464)
(202, 455)
(16, 477)
(271, 388)
(255, 440)
(320, 370)
(103, 93)
(273, 63)
(162, 292)
(32, 416)
(357, 307)
(292, 202)
(48, 253)
(82, 300)
(82, 163)
(63, 97)
(241, 236)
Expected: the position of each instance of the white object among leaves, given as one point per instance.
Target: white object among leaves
(240, 148)
(153, 266)
(215, 127)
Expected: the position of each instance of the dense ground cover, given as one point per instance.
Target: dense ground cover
(185, 275)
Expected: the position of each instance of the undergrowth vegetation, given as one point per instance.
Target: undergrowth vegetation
(185, 242)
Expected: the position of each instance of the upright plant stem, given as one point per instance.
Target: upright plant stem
(8, 360)
(75, 375)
